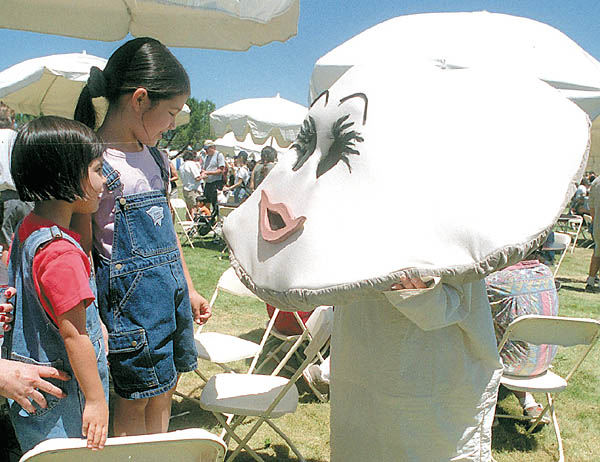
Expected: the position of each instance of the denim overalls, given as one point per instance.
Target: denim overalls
(35, 339)
(143, 295)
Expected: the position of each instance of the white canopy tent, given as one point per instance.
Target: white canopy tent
(218, 24)
(230, 146)
(485, 39)
(51, 85)
(594, 159)
(261, 118)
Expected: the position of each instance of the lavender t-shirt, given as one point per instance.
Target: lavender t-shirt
(139, 173)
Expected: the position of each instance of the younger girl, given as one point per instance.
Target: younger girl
(57, 163)
(144, 287)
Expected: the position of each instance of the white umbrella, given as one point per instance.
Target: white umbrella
(463, 40)
(262, 118)
(229, 145)
(219, 24)
(51, 85)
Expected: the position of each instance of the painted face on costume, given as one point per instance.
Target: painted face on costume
(397, 171)
(159, 118)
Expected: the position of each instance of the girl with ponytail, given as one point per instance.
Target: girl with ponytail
(146, 296)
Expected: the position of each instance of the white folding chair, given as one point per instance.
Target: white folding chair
(191, 445)
(219, 348)
(320, 319)
(188, 224)
(560, 243)
(552, 330)
(571, 225)
(263, 396)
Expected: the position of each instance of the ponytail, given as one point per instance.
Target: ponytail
(140, 63)
(85, 111)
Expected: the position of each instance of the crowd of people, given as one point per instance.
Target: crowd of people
(209, 177)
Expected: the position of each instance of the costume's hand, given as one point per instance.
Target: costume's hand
(5, 311)
(95, 423)
(201, 310)
(22, 382)
(409, 283)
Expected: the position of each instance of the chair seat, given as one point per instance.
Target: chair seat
(545, 383)
(223, 348)
(190, 445)
(247, 395)
(283, 337)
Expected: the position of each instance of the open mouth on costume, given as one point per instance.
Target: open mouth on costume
(277, 222)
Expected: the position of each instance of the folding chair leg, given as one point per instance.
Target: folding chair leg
(199, 374)
(242, 443)
(561, 454)
(287, 440)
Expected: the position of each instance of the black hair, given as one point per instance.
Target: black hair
(50, 159)
(201, 199)
(268, 154)
(243, 155)
(188, 154)
(140, 63)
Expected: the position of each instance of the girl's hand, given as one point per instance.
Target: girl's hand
(23, 382)
(201, 310)
(95, 423)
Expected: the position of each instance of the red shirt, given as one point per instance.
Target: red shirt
(61, 271)
(286, 322)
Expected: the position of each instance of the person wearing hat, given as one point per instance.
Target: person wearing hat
(213, 164)
(240, 186)
(191, 177)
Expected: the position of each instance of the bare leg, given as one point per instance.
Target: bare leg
(594, 266)
(158, 412)
(130, 417)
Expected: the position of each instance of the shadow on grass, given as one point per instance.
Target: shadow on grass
(187, 414)
(509, 435)
(570, 288)
(282, 454)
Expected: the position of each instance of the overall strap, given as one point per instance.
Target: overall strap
(27, 249)
(113, 177)
(160, 161)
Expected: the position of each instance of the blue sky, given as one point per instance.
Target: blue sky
(285, 68)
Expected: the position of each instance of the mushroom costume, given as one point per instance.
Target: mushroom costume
(461, 172)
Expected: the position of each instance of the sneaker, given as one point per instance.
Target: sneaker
(534, 411)
(312, 375)
(591, 289)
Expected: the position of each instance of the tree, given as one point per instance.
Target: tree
(193, 133)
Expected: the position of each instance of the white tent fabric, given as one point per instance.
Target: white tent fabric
(51, 85)
(230, 146)
(458, 202)
(502, 41)
(219, 24)
(261, 118)
(594, 160)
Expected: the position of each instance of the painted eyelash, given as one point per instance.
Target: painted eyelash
(343, 145)
(305, 143)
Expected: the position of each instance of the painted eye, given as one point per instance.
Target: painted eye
(305, 142)
(343, 145)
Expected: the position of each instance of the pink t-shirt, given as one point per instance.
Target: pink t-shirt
(139, 173)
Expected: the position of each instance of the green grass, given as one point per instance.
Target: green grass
(578, 408)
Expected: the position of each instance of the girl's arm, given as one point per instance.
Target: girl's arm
(82, 357)
(201, 310)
